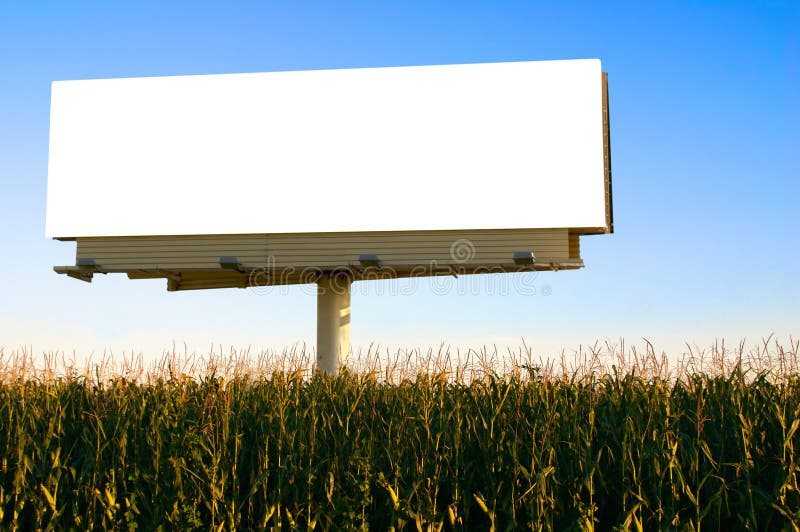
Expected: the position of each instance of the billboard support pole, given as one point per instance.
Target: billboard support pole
(333, 322)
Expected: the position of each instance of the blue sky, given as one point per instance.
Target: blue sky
(704, 115)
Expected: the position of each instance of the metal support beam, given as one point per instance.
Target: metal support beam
(333, 322)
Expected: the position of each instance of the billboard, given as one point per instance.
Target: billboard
(450, 147)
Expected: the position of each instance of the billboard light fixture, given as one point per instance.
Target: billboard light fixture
(231, 263)
(370, 260)
(524, 258)
(89, 265)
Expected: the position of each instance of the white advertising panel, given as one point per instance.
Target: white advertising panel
(477, 146)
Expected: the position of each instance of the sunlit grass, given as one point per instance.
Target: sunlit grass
(609, 436)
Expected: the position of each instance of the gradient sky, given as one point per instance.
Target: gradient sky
(705, 107)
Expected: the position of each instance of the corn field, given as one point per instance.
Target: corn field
(607, 445)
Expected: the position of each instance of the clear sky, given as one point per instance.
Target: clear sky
(705, 114)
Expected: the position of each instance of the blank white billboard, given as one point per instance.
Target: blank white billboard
(477, 146)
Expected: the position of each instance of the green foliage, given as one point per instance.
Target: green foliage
(351, 452)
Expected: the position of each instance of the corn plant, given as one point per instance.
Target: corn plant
(531, 448)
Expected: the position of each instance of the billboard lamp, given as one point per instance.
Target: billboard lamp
(370, 260)
(524, 258)
(231, 263)
(89, 264)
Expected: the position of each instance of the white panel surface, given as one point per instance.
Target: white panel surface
(480, 146)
